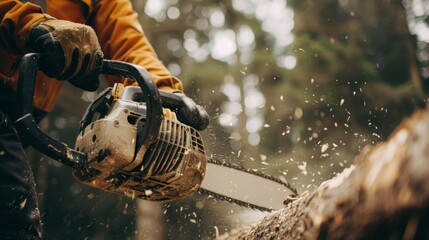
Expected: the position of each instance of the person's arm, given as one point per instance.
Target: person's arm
(121, 38)
(16, 21)
(71, 50)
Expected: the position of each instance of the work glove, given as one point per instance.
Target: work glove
(71, 50)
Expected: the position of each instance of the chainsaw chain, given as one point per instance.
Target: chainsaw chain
(251, 171)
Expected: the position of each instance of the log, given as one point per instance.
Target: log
(383, 195)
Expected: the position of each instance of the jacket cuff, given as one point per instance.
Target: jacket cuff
(24, 29)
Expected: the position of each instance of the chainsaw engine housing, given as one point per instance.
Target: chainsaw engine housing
(170, 168)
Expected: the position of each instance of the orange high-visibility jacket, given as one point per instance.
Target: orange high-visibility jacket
(120, 35)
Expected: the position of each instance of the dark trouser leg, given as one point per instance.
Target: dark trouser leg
(19, 214)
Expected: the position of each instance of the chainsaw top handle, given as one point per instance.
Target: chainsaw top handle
(57, 150)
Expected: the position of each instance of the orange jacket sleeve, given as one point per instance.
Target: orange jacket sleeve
(121, 38)
(16, 21)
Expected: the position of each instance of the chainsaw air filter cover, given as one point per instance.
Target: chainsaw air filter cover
(170, 168)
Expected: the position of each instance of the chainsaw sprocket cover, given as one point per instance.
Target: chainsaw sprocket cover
(170, 168)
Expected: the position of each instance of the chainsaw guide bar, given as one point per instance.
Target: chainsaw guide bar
(261, 191)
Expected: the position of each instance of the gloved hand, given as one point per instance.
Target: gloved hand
(72, 52)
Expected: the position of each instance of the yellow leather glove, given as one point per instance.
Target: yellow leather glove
(71, 50)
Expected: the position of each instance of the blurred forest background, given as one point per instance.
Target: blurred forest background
(295, 88)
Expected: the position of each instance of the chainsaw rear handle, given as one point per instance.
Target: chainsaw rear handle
(59, 151)
(187, 111)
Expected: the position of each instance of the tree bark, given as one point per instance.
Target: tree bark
(384, 195)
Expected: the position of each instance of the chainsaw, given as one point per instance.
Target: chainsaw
(138, 141)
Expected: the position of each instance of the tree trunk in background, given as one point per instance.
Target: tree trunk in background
(385, 195)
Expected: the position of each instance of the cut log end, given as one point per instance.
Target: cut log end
(384, 195)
